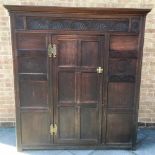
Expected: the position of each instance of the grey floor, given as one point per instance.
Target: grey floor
(146, 146)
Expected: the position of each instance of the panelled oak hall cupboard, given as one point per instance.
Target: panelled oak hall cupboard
(77, 76)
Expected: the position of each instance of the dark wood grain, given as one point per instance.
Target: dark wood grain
(77, 10)
(122, 67)
(89, 88)
(89, 124)
(66, 87)
(33, 93)
(119, 128)
(19, 22)
(90, 53)
(33, 63)
(31, 41)
(66, 128)
(120, 95)
(123, 43)
(67, 52)
(77, 86)
(35, 128)
(90, 110)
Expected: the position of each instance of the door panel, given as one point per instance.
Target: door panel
(30, 61)
(33, 93)
(90, 53)
(119, 128)
(66, 87)
(123, 43)
(66, 117)
(31, 41)
(67, 53)
(90, 83)
(122, 67)
(89, 87)
(89, 123)
(76, 88)
(121, 95)
(35, 128)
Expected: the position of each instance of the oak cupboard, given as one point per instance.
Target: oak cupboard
(77, 76)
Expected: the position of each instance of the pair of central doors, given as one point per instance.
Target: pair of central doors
(62, 99)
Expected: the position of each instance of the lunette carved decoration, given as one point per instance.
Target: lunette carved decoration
(37, 23)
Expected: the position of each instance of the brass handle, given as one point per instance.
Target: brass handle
(99, 70)
(50, 50)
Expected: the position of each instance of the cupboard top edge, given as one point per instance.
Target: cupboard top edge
(77, 10)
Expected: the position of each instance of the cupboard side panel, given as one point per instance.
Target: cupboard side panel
(16, 84)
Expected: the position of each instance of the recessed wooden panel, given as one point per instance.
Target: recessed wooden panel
(119, 128)
(31, 41)
(33, 93)
(66, 86)
(120, 95)
(35, 128)
(135, 24)
(89, 87)
(67, 52)
(90, 53)
(33, 76)
(89, 123)
(122, 67)
(124, 54)
(35, 63)
(19, 22)
(123, 43)
(66, 126)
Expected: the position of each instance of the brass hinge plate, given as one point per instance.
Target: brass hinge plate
(53, 129)
(52, 50)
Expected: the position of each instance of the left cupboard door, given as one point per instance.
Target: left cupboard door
(34, 79)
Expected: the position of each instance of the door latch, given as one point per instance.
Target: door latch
(99, 70)
(53, 129)
(52, 50)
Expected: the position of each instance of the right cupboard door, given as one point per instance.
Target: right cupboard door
(122, 65)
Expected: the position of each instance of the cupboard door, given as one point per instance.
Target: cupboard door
(33, 87)
(77, 88)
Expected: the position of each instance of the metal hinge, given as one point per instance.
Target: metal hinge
(52, 50)
(53, 129)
